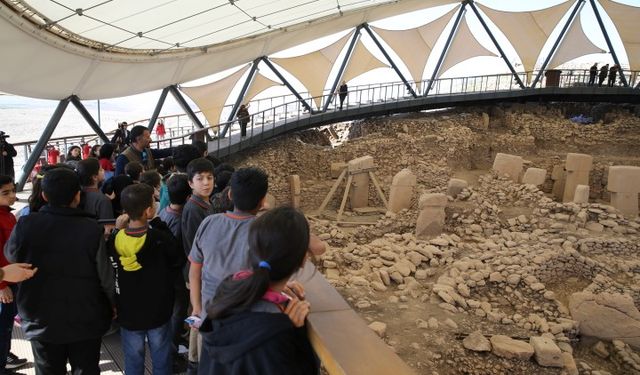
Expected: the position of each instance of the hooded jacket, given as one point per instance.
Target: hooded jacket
(256, 343)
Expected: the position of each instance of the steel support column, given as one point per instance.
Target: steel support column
(286, 83)
(454, 29)
(243, 92)
(608, 40)
(343, 66)
(495, 43)
(42, 142)
(156, 111)
(386, 55)
(88, 118)
(563, 32)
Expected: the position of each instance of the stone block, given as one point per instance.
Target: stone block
(359, 164)
(430, 222)
(294, 186)
(506, 347)
(581, 194)
(574, 178)
(510, 165)
(337, 168)
(401, 192)
(626, 203)
(624, 179)
(547, 353)
(432, 200)
(359, 193)
(534, 176)
(455, 186)
(578, 162)
(557, 172)
(559, 177)
(485, 120)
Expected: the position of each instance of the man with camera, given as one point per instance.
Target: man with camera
(8, 153)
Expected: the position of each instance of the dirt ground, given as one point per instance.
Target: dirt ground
(495, 230)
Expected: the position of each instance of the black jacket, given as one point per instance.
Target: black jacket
(68, 299)
(144, 298)
(256, 343)
(8, 159)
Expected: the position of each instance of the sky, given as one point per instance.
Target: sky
(140, 106)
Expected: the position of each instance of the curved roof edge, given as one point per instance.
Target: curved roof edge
(39, 64)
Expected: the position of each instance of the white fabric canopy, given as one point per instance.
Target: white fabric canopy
(361, 62)
(527, 31)
(313, 68)
(463, 47)
(625, 19)
(574, 44)
(259, 84)
(39, 63)
(211, 98)
(414, 45)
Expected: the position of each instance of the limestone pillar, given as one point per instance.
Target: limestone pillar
(431, 218)
(294, 185)
(359, 168)
(558, 175)
(510, 165)
(581, 194)
(337, 168)
(535, 176)
(578, 167)
(401, 192)
(624, 185)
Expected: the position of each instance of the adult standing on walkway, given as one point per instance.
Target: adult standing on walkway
(613, 72)
(343, 91)
(243, 119)
(593, 72)
(8, 153)
(139, 151)
(603, 74)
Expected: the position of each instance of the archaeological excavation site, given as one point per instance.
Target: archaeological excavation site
(480, 240)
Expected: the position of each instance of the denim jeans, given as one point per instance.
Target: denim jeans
(7, 313)
(159, 340)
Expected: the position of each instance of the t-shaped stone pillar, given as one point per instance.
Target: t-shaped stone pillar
(359, 168)
(510, 165)
(578, 167)
(431, 219)
(559, 177)
(402, 190)
(294, 185)
(624, 185)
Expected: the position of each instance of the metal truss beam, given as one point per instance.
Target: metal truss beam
(452, 34)
(343, 67)
(286, 83)
(386, 55)
(243, 92)
(42, 142)
(495, 42)
(553, 50)
(156, 111)
(608, 40)
(88, 118)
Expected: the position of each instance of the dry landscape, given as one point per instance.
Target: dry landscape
(517, 281)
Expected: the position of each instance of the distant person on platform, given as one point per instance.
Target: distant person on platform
(243, 119)
(593, 72)
(121, 137)
(139, 151)
(8, 153)
(160, 129)
(603, 74)
(613, 73)
(343, 91)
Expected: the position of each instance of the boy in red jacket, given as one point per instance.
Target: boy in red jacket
(8, 360)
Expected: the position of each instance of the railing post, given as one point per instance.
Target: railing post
(445, 49)
(608, 40)
(558, 40)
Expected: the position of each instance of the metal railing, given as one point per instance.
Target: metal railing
(270, 113)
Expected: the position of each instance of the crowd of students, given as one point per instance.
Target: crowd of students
(160, 243)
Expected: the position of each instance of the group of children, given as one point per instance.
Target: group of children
(186, 243)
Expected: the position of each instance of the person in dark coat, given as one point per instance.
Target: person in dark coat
(593, 72)
(343, 91)
(603, 74)
(8, 153)
(252, 326)
(613, 73)
(243, 119)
